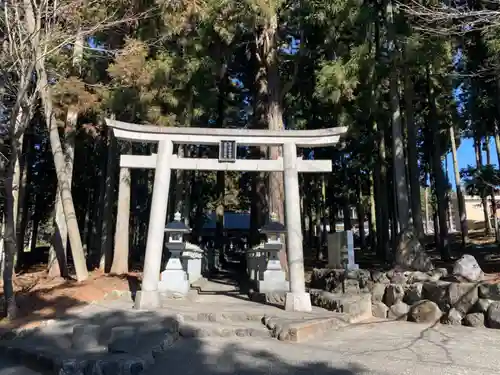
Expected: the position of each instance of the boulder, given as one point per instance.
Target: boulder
(413, 293)
(378, 291)
(410, 253)
(474, 320)
(399, 278)
(425, 311)
(380, 277)
(379, 310)
(437, 292)
(468, 268)
(394, 293)
(453, 317)
(489, 291)
(482, 305)
(493, 315)
(398, 311)
(437, 274)
(463, 296)
(418, 276)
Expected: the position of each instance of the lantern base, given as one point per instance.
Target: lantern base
(273, 281)
(147, 300)
(298, 302)
(174, 282)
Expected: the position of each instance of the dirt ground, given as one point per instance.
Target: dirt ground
(40, 298)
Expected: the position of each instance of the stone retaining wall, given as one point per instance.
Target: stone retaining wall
(418, 296)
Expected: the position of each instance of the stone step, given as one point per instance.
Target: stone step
(305, 329)
(216, 329)
(357, 306)
(223, 317)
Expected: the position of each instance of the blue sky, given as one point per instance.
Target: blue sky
(466, 157)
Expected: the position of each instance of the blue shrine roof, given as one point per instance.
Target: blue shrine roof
(232, 220)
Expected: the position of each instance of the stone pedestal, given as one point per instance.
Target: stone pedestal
(192, 259)
(341, 250)
(174, 280)
(298, 301)
(273, 278)
(213, 259)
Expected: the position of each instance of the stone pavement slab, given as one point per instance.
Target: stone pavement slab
(376, 348)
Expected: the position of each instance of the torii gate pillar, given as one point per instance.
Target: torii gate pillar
(297, 299)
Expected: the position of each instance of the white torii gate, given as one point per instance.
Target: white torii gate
(163, 162)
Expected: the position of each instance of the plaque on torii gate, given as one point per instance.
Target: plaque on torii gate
(228, 140)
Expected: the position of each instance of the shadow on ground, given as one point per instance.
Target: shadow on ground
(208, 355)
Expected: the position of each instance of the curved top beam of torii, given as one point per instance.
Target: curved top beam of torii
(207, 136)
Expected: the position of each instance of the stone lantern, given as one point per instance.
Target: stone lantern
(174, 279)
(273, 278)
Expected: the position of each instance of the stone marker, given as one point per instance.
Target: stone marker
(341, 250)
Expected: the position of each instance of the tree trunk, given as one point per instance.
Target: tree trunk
(413, 170)
(57, 265)
(219, 215)
(259, 204)
(23, 198)
(59, 160)
(275, 122)
(484, 201)
(109, 193)
(361, 217)
(462, 213)
(10, 234)
(497, 140)
(122, 232)
(373, 215)
(426, 209)
(438, 171)
(398, 145)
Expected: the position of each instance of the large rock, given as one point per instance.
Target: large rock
(482, 305)
(437, 274)
(468, 268)
(463, 296)
(379, 310)
(411, 254)
(378, 291)
(394, 293)
(413, 293)
(489, 291)
(425, 311)
(418, 276)
(474, 320)
(493, 315)
(399, 311)
(453, 317)
(380, 277)
(437, 292)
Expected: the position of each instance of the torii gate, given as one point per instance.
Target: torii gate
(228, 140)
